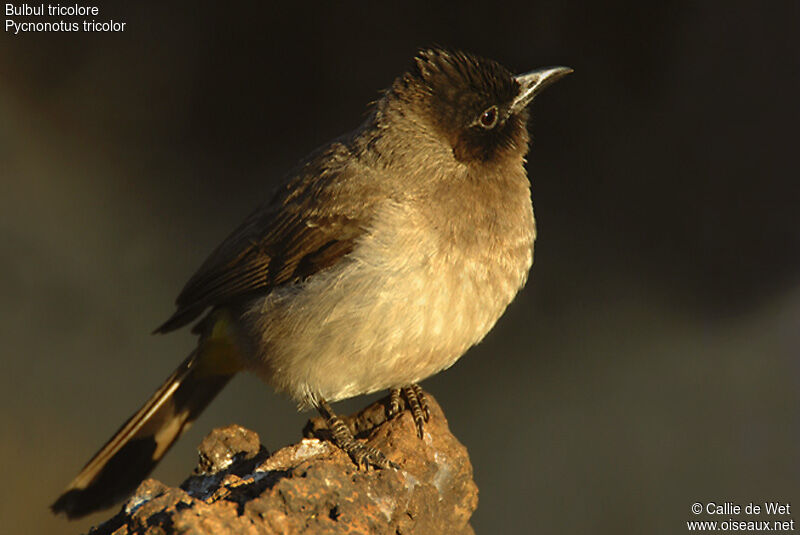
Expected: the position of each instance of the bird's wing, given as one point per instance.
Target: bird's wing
(306, 228)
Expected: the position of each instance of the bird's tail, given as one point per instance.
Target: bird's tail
(135, 450)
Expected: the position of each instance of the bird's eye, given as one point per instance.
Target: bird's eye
(488, 118)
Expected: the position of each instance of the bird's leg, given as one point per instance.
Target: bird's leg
(423, 400)
(361, 454)
(394, 402)
(417, 404)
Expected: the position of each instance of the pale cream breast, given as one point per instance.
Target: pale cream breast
(405, 304)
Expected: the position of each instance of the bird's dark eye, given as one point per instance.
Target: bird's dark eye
(488, 118)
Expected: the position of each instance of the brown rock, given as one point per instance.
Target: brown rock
(313, 487)
(224, 446)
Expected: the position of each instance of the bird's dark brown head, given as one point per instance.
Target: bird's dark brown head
(475, 104)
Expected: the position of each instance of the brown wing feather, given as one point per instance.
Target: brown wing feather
(294, 253)
(304, 229)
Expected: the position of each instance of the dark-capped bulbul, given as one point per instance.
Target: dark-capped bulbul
(380, 260)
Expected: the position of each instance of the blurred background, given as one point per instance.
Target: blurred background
(652, 361)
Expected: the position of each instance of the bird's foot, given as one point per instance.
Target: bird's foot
(361, 454)
(417, 404)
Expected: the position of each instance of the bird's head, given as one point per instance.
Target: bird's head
(475, 105)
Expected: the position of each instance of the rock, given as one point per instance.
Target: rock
(225, 446)
(313, 487)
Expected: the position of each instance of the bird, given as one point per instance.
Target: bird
(381, 258)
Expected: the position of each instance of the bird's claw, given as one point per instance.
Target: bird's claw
(415, 401)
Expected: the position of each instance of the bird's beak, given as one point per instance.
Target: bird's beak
(531, 83)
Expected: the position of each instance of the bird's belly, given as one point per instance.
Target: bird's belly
(379, 319)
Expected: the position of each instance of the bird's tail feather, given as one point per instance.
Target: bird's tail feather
(135, 450)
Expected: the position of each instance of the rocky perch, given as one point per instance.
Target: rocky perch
(312, 486)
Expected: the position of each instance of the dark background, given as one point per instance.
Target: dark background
(652, 360)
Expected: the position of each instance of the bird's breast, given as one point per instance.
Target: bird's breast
(410, 299)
